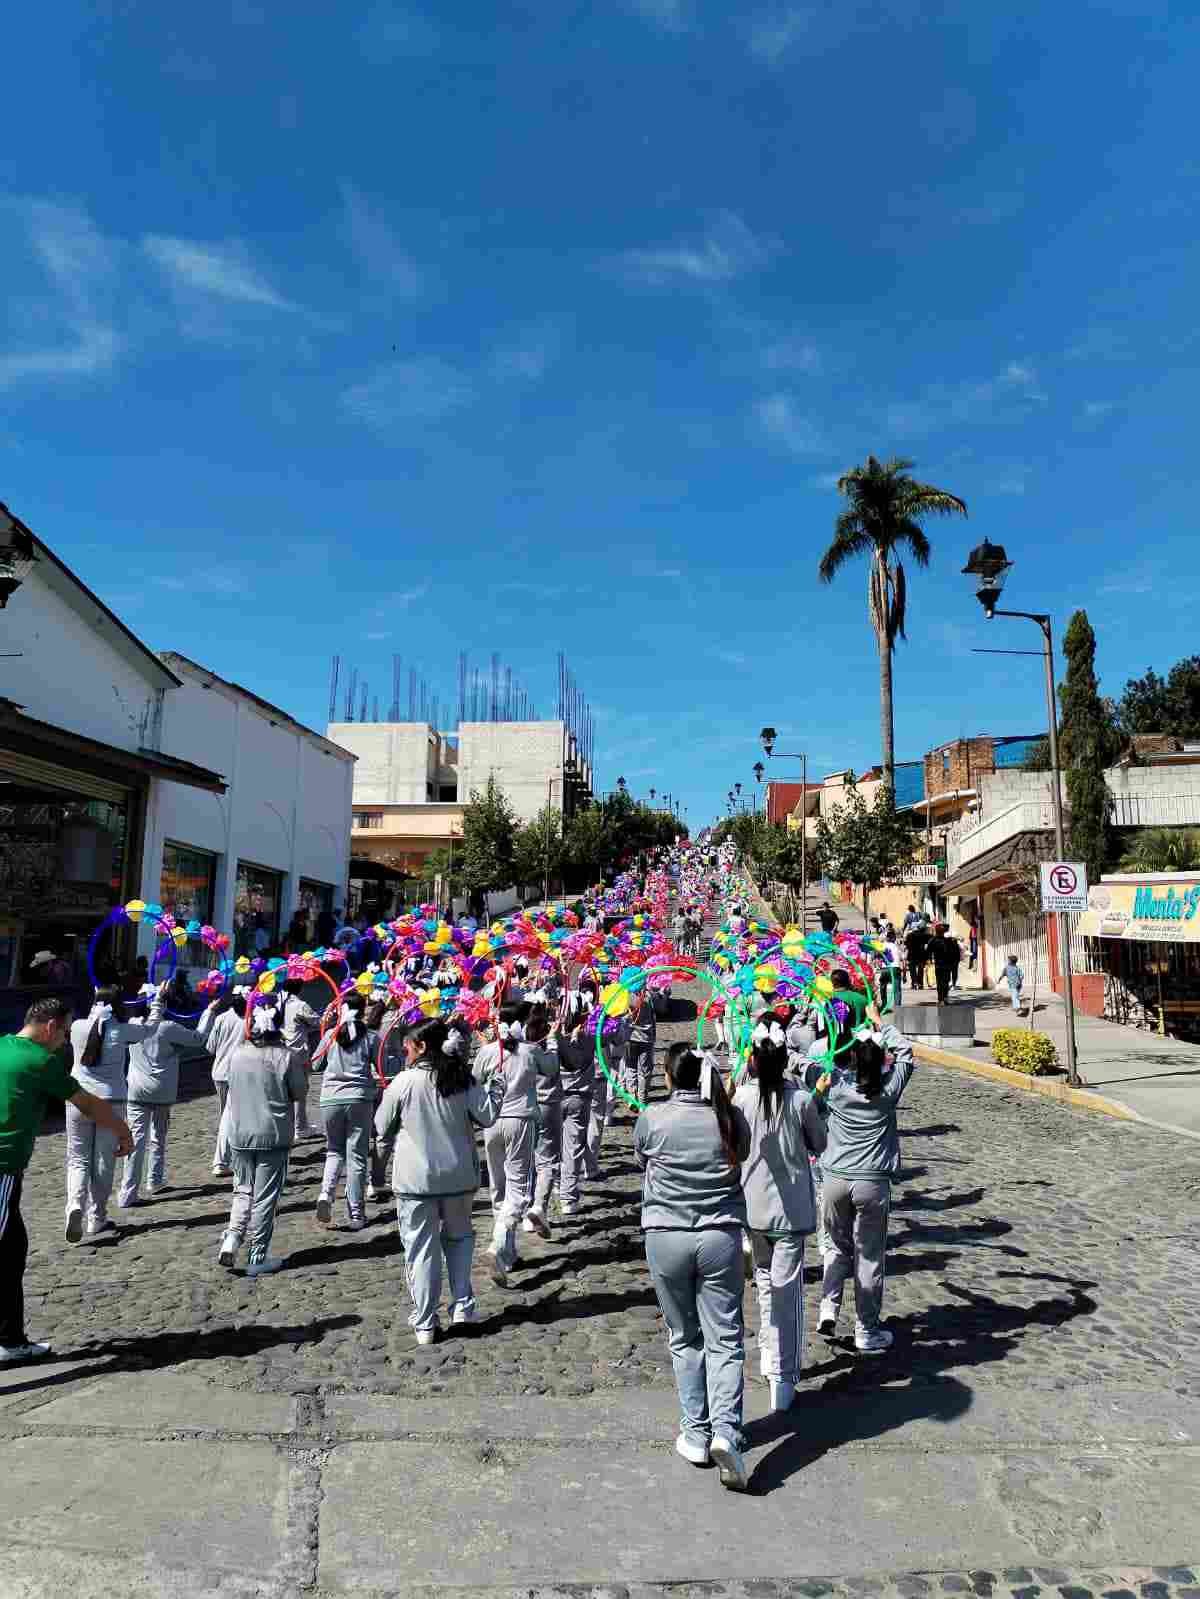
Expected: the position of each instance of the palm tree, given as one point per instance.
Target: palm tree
(1162, 849)
(883, 516)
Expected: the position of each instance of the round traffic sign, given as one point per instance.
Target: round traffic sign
(1063, 879)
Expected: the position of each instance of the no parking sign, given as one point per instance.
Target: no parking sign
(1064, 886)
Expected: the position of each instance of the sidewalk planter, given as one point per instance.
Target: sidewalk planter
(1022, 1051)
(941, 1026)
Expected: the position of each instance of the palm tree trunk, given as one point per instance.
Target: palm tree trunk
(887, 736)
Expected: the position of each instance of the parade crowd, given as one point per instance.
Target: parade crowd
(783, 1128)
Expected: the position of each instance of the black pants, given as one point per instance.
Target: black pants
(942, 975)
(14, 1251)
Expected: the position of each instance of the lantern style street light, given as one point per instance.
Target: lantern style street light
(17, 559)
(768, 735)
(988, 567)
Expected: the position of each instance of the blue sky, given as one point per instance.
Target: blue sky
(374, 328)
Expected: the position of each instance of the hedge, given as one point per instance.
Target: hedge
(1023, 1051)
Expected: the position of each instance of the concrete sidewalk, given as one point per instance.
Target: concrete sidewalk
(1158, 1079)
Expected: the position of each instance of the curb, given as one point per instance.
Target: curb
(1048, 1087)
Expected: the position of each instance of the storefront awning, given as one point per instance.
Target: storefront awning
(36, 750)
(365, 870)
(1023, 849)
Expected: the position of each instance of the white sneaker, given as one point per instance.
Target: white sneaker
(568, 1210)
(228, 1252)
(783, 1394)
(354, 1224)
(99, 1229)
(527, 1225)
(427, 1335)
(729, 1463)
(222, 1171)
(874, 1342)
(13, 1354)
(263, 1268)
(747, 1259)
(324, 1211)
(370, 1190)
(696, 1454)
(537, 1223)
(463, 1315)
(827, 1318)
(155, 1189)
(74, 1228)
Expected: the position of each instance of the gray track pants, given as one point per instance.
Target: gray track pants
(576, 1120)
(301, 1123)
(547, 1155)
(347, 1141)
(639, 1072)
(856, 1219)
(91, 1164)
(599, 1117)
(434, 1228)
(515, 1141)
(699, 1277)
(221, 1154)
(148, 1124)
(779, 1279)
(258, 1179)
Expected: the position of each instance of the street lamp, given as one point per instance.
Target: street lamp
(653, 792)
(768, 735)
(988, 567)
(621, 784)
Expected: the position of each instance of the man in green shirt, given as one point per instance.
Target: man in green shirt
(30, 1074)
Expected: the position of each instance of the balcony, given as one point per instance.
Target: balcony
(973, 836)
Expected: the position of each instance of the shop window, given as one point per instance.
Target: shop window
(368, 819)
(256, 909)
(187, 884)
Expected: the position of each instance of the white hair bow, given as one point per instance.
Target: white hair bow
(455, 1043)
(706, 1079)
(867, 1034)
(100, 1013)
(264, 1019)
(346, 1014)
(512, 1030)
(772, 1034)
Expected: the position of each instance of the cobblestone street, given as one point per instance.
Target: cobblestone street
(1040, 1259)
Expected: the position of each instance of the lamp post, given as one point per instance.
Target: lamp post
(988, 566)
(16, 557)
(768, 736)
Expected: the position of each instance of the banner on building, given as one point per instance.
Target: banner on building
(1162, 911)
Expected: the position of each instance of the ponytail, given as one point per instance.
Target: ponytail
(108, 1006)
(768, 1061)
(445, 1050)
(350, 1025)
(867, 1057)
(687, 1071)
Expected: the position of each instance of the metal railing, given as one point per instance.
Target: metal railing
(972, 835)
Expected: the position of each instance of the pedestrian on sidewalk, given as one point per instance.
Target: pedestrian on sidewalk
(916, 943)
(945, 954)
(222, 1028)
(153, 1087)
(1015, 978)
(433, 1109)
(100, 1045)
(861, 1159)
(693, 1215)
(347, 1110)
(973, 945)
(828, 918)
(786, 1129)
(266, 1081)
(33, 1073)
(300, 1026)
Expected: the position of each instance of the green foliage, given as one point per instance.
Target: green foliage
(1023, 1051)
(1162, 849)
(538, 848)
(1154, 704)
(438, 865)
(606, 838)
(868, 845)
(488, 842)
(1088, 747)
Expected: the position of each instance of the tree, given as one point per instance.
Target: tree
(868, 845)
(1087, 748)
(583, 844)
(538, 848)
(488, 839)
(1162, 849)
(438, 864)
(884, 513)
(1153, 704)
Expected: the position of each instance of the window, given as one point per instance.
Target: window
(186, 886)
(945, 762)
(368, 819)
(256, 909)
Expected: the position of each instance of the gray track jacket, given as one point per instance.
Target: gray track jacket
(435, 1137)
(776, 1176)
(688, 1184)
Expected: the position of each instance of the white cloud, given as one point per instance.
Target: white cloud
(219, 270)
(772, 37)
(728, 249)
(669, 15)
(1011, 396)
(785, 427)
(377, 247)
(528, 355)
(81, 266)
(408, 394)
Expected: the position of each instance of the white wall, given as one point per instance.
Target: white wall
(396, 760)
(288, 802)
(523, 756)
(81, 674)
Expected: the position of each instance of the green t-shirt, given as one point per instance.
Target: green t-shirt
(29, 1075)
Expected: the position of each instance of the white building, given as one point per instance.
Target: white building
(103, 797)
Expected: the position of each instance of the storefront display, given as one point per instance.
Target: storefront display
(1148, 934)
(256, 909)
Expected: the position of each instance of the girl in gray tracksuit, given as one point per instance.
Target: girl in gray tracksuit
(861, 1158)
(153, 1087)
(510, 1149)
(639, 1059)
(693, 1214)
(100, 1044)
(389, 1061)
(785, 1130)
(547, 1154)
(577, 1065)
(433, 1109)
(222, 1028)
(299, 1024)
(347, 1110)
(266, 1082)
